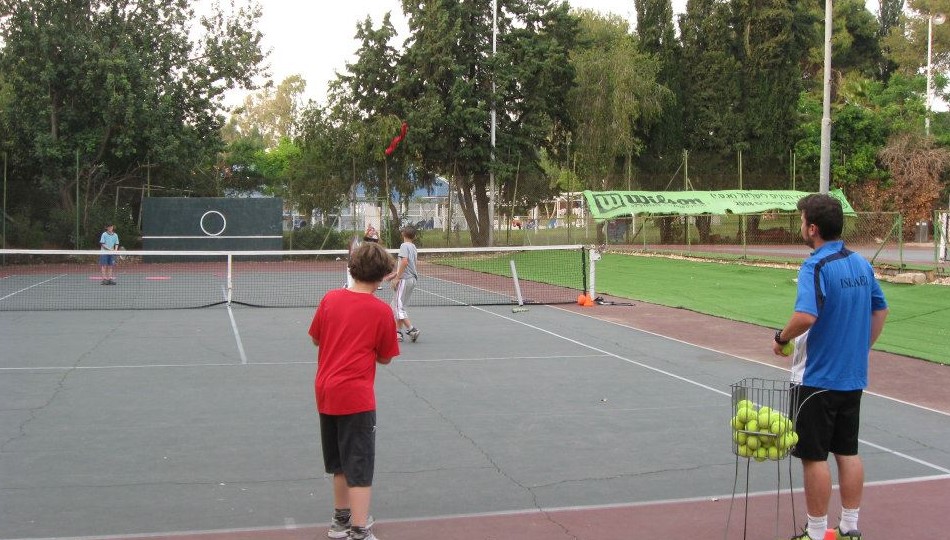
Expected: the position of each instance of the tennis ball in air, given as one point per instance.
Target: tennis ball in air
(788, 348)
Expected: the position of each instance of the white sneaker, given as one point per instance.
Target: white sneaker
(413, 334)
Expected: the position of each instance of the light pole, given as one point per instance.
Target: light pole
(932, 19)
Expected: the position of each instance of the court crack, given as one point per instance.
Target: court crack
(33, 412)
(530, 490)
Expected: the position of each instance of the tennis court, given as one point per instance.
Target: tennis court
(560, 422)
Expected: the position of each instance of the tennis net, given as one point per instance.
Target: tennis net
(36, 280)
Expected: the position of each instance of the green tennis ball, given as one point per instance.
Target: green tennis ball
(752, 425)
(739, 437)
(765, 417)
(778, 427)
(788, 348)
(737, 423)
(744, 414)
(752, 442)
(744, 451)
(761, 454)
(774, 453)
(745, 403)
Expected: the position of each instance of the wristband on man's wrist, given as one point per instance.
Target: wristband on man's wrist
(778, 338)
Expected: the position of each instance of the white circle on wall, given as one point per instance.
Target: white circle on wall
(224, 223)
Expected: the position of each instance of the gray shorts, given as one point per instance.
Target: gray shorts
(401, 297)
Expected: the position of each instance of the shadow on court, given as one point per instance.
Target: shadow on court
(546, 424)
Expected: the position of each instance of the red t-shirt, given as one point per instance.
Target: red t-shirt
(353, 329)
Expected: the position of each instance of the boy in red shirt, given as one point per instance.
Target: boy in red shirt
(354, 331)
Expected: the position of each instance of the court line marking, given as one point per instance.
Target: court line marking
(237, 335)
(284, 363)
(234, 328)
(687, 380)
(31, 286)
(289, 524)
(753, 360)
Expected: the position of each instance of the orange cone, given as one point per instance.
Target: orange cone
(830, 534)
(588, 301)
(581, 298)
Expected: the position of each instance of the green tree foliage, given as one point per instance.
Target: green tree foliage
(866, 116)
(712, 119)
(270, 114)
(118, 86)
(657, 38)
(616, 101)
(906, 41)
(446, 76)
(774, 39)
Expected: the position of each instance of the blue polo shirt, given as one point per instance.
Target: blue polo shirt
(838, 287)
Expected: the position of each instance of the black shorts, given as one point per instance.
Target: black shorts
(828, 421)
(349, 446)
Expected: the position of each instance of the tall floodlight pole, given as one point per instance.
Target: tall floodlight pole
(491, 168)
(825, 164)
(931, 21)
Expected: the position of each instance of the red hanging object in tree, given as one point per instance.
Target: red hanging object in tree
(397, 139)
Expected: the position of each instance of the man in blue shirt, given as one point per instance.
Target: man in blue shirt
(108, 241)
(839, 313)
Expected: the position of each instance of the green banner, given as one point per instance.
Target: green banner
(614, 204)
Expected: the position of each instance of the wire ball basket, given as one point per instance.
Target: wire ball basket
(763, 419)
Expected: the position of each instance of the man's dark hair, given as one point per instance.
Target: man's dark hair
(370, 263)
(409, 232)
(823, 211)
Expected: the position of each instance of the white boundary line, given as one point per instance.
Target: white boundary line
(287, 363)
(686, 380)
(31, 286)
(237, 336)
(753, 360)
(290, 524)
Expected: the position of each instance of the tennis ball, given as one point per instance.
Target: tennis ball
(752, 442)
(788, 440)
(744, 414)
(739, 437)
(761, 454)
(736, 423)
(752, 425)
(777, 427)
(745, 403)
(775, 454)
(766, 441)
(764, 418)
(788, 348)
(744, 451)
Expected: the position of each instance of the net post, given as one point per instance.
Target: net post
(594, 256)
(230, 283)
(514, 276)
